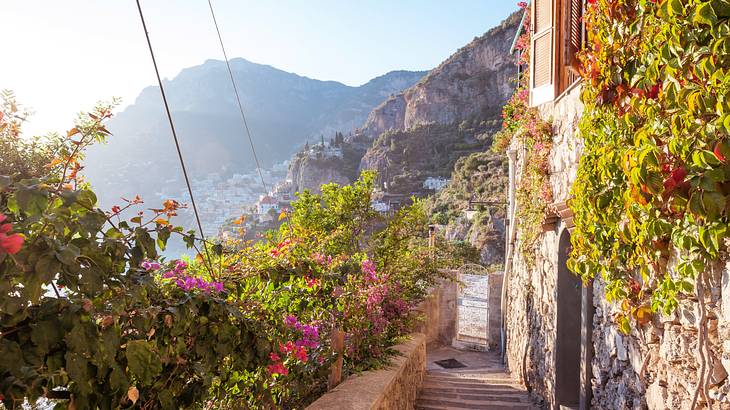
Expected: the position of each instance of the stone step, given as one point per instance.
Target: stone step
(422, 403)
(471, 390)
(469, 385)
(476, 398)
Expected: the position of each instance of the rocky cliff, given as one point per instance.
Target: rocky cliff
(474, 81)
(310, 168)
(450, 113)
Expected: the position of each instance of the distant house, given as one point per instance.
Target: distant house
(266, 204)
(380, 206)
(435, 184)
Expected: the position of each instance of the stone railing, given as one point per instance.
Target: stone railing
(394, 387)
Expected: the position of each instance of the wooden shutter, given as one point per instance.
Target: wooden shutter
(575, 33)
(542, 43)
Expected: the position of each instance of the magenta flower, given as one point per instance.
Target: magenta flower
(291, 321)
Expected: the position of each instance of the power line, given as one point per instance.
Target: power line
(174, 136)
(238, 97)
(240, 108)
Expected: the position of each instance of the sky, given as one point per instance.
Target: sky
(60, 57)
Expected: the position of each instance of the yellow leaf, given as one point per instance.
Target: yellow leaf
(643, 315)
(133, 394)
(161, 221)
(282, 215)
(73, 131)
(240, 220)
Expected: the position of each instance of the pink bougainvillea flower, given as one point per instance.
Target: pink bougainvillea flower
(291, 321)
(274, 357)
(150, 265)
(218, 286)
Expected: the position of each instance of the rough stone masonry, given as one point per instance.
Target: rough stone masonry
(655, 367)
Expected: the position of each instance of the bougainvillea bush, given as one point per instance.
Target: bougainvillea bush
(653, 183)
(93, 316)
(525, 125)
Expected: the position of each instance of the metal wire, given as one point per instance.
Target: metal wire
(240, 107)
(174, 136)
(238, 97)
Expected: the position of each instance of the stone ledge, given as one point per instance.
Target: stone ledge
(392, 388)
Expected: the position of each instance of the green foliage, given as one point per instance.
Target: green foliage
(653, 182)
(91, 314)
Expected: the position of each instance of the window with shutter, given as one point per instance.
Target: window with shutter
(575, 32)
(571, 39)
(542, 82)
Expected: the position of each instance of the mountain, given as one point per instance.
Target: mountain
(429, 119)
(283, 111)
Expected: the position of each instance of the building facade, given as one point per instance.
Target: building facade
(560, 335)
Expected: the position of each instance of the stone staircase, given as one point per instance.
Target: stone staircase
(481, 384)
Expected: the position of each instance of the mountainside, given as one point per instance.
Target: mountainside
(474, 81)
(283, 111)
(452, 112)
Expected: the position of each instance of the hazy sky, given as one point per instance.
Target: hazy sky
(62, 56)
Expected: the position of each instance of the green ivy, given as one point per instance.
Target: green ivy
(653, 182)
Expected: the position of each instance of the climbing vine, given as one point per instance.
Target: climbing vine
(651, 195)
(524, 124)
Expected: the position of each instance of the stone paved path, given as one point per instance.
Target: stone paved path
(483, 384)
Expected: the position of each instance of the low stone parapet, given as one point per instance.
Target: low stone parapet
(392, 388)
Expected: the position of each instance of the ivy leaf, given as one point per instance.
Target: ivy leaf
(117, 379)
(721, 8)
(714, 203)
(46, 334)
(643, 315)
(624, 325)
(704, 14)
(142, 361)
(676, 7)
(77, 368)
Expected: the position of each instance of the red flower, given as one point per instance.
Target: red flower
(9, 243)
(301, 354)
(288, 347)
(116, 209)
(277, 368)
(718, 152)
(679, 174)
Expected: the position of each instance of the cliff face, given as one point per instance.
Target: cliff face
(311, 168)
(472, 82)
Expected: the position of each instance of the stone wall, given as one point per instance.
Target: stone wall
(654, 367)
(438, 311)
(531, 294)
(394, 387)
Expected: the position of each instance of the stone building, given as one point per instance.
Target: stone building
(559, 335)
